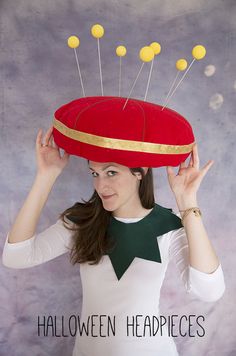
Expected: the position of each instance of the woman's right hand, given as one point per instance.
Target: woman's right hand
(49, 159)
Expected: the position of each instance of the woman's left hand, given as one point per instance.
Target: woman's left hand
(186, 182)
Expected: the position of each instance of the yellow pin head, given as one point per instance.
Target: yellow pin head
(73, 42)
(121, 51)
(97, 31)
(156, 48)
(146, 54)
(198, 52)
(181, 64)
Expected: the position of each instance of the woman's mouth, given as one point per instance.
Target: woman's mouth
(107, 196)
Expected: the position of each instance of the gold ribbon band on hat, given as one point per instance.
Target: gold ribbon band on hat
(118, 144)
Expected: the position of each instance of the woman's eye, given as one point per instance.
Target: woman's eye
(111, 173)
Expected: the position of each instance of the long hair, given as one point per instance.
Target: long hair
(90, 222)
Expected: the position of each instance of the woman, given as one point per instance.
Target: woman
(124, 242)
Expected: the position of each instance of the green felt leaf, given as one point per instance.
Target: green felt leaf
(139, 239)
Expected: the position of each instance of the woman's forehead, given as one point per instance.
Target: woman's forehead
(104, 165)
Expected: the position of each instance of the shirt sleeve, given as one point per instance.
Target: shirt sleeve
(42, 247)
(208, 287)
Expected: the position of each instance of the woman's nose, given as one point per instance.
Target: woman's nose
(101, 184)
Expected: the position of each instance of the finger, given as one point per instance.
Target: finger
(38, 142)
(51, 141)
(206, 168)
(181, 166)
(195, 157)
(48, 136)
(190, 161)
(170, 171)
(54, 145)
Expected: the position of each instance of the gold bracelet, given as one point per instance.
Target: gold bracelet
(195, 210)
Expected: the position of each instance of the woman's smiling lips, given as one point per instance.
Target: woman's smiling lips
(107, 196)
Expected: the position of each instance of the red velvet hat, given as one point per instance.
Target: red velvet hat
(140, 135)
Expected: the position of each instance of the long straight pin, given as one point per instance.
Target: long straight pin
(198, 53)
(97, 32)
(100, 67)
(80, 76)
(149, 78)
(185, 73)
(120, 52)
(172, 86)
(73, 42)
(156, 47)
(120, 77)
(140, 70)
(146, 54)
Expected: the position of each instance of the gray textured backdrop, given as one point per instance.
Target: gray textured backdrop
(38, 74)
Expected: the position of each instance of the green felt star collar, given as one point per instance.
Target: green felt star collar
(139, 239)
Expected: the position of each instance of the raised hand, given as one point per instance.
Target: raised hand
(49, 159)
(186, 182)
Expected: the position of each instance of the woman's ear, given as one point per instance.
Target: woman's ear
(145, 169)
(139, 175)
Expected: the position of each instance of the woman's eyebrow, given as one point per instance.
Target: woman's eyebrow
(103, 169)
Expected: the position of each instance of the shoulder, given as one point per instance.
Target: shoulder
(164, 209)
(167, 214)
(162, 220)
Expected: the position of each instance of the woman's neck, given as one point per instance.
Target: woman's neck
(138, 212)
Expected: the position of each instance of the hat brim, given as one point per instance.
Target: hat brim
(98, 129)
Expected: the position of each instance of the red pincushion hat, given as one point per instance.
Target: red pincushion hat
(140, 135)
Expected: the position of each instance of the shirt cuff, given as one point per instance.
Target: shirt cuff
(18, 244)
(208, 287)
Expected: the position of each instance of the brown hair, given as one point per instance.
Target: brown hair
(91, 221)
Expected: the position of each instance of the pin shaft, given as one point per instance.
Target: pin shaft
(78, 66)
(184, 75)
(100, 67)
(120, 77)
(172, 86)
(140, 70)
(149, 79)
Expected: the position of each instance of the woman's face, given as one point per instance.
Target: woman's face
(117, 187)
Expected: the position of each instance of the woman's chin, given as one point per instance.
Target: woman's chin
(108, 207)
(109, 203)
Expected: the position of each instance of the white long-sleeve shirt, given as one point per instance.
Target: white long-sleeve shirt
(136, 293)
